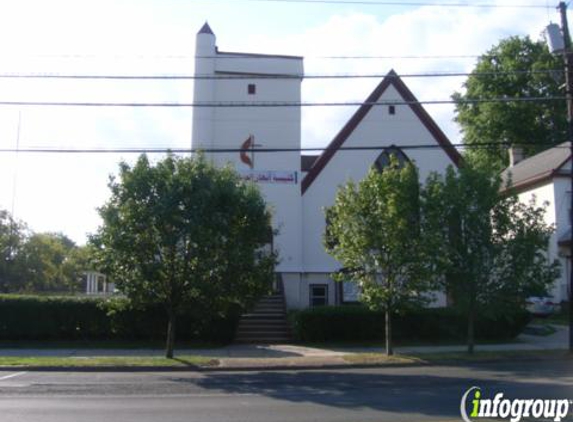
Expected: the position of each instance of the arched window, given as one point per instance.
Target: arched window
(383, 159)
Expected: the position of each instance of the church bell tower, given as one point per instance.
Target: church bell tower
(248, 105)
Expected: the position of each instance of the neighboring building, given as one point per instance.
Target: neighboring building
(546, 177)
(96, 284)
(299, 187)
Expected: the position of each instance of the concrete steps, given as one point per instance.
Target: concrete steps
(265, 323)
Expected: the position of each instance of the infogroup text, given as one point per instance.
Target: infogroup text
(473, 407)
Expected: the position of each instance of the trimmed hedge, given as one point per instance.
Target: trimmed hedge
(84, 318)
(51, 318)
(357, 323)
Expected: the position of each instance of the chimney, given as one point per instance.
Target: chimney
(515, 155)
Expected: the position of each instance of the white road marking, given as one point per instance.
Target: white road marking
(17, 374)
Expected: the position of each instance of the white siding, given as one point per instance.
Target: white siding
(378, 128)
(557, 194)
(299, 219)
(272, 127)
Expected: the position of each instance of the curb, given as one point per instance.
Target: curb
(205, 368)
(100, 368)
(279, 367)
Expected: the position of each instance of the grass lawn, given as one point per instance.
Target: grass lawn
(100, 344)
(124, 361)
(559, 318)
(400, 343)
(456, 357)
(374, 358)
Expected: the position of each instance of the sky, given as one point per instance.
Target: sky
(61, 192)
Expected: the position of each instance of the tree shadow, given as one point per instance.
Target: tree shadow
(559, 368)
(431, 395)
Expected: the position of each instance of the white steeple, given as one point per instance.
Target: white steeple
(204, 89)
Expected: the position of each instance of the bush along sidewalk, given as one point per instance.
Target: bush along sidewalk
(69, 318)
(357, 323)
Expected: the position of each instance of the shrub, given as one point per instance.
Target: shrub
(357, 323)
(51, 318)
(134, 323)
(84, 318)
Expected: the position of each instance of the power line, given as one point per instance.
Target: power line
(273, 104)
(403, 3)
(273, 77)
(230, 56)
(164, 150)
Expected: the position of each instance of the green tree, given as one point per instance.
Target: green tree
(79, 259)
(12, 236)
(492, 248)
(186, 235)
(374, 231)
(42, 263)
(516, 67)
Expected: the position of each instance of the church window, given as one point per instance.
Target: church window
(252, 89)
(383, 159)
(391, 110)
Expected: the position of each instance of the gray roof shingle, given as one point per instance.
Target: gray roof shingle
(539, 167)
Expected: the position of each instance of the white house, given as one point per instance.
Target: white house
(546, 177)
(228, 88)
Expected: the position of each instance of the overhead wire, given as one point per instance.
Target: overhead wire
(232, 56)
(286, 104)
(261, 104)
(166, 150)
(229, 76)
(402, 3)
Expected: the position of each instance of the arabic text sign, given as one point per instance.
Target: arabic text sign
(270, 176)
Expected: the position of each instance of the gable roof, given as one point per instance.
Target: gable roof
(539, 168)
(391, 79)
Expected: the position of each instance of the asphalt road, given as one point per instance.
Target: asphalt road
(392, 394)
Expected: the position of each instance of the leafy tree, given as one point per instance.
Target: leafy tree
(12, 236)
(79, 259)
(493, 248)
(186, 235)
(43, 263)
(516, 67)
(38, 262)
(373, 230)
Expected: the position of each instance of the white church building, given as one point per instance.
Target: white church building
(248, 103)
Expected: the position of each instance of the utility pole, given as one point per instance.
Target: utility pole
(569, 97)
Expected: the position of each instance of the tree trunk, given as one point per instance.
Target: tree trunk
(471, 321)
(170, 343)
(389, 348)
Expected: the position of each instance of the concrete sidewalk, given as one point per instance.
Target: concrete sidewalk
(290, 352)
